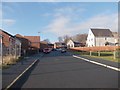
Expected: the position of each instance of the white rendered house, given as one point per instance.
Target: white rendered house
(100, 37)
(72, 44)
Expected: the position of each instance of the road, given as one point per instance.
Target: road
(62, 70)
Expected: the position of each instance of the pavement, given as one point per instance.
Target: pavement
(9, 74)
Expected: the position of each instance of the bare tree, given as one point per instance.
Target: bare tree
(47, 40)
(60, 39)
(80, 38)
(66, 38)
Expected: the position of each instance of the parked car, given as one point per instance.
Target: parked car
(46, 50)
(63, 51)
(54, 49)
(58, 49)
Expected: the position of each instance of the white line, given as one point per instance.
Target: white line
(20, 75)
(97, 63)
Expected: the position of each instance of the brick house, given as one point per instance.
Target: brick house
(10, 44)
(25, 43)
(30, 44)
(34, 42)
(43, 44)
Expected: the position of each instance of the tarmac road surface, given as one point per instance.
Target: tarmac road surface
(62, 70)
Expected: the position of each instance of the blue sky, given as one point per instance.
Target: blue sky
(54, 19)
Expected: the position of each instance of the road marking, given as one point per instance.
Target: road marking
(97, 63)
(20, 75)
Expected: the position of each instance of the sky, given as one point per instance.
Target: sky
(54, 19)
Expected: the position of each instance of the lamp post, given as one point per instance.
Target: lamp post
(1, 41)
(39, 44)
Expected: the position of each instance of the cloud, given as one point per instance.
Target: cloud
(8, 22)
(65, 11)
(63, 25)
(58, 26)
(101, 21)
(69, 11)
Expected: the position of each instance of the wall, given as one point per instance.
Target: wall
(90, 39)
(70, 43)
(102, 40)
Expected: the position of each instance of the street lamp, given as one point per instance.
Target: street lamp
(1, 59)
(39, 44)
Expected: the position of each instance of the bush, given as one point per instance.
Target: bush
(7, 60)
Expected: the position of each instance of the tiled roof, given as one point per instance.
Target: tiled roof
(35, 41)
(102, 32)
(76, 42)
(18, 35)
(33, 38)
(24, 41)
(43, 42)
(2, 31)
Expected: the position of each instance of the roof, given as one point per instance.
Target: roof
(43, 42)
(33, 38)
(2, 31)
(18, 35)
(102, 32)
(76, 42)
(59, 43)
(35, 41)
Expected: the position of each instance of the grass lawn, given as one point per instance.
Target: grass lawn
(104, 55)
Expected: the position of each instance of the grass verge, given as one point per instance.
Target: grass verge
(103, 55)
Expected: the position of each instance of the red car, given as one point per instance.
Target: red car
(46, 50)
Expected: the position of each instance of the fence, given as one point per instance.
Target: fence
(98, 48)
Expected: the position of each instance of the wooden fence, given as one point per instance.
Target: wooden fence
(97, 48)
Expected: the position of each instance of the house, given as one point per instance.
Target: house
(10, 44)
(59, 45)
(72, 43)
(34, 43)
(43, 44)
(117, 38)
(50, 45)
(25, 44)
(29, 43)
(100, 37)
(17, 47)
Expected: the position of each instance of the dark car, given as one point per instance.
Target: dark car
(63, 51)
